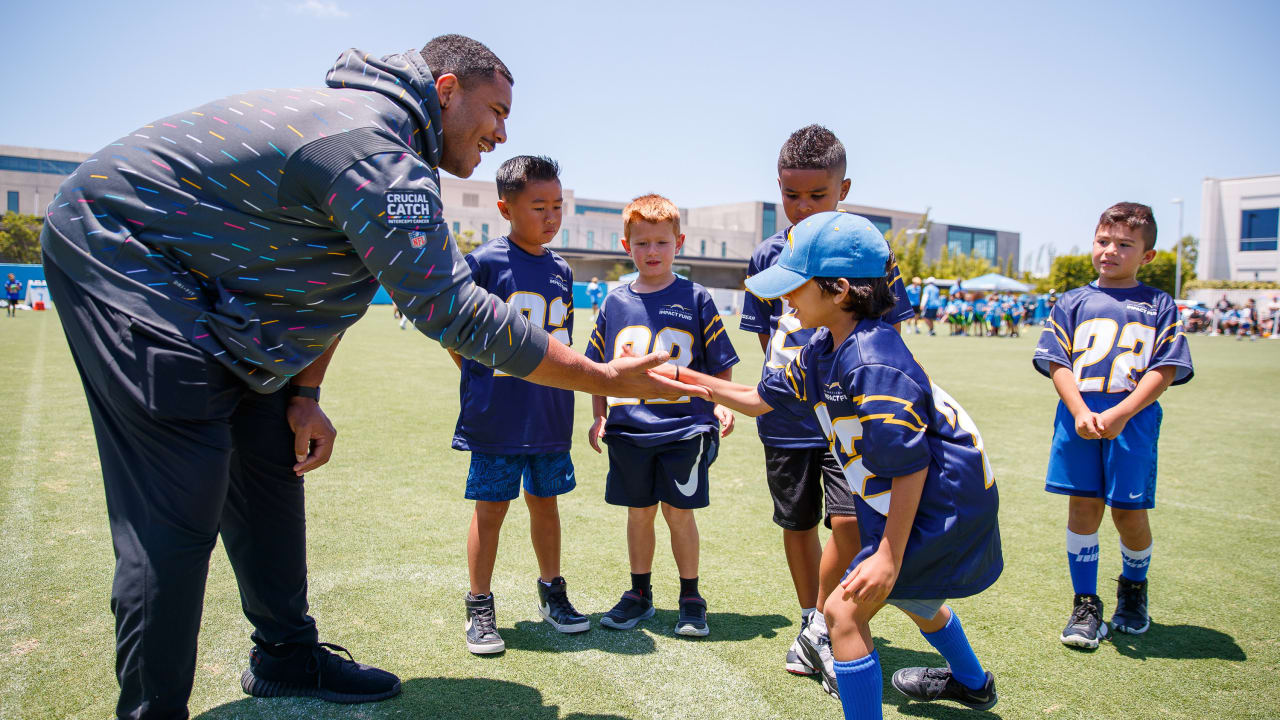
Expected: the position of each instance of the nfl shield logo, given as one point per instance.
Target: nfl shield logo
(418, 239)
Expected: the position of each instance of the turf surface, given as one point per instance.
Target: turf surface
(388, 571)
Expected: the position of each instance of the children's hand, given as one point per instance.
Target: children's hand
(872, 580)
(595, 433)
(1112, 423)
(725, 416)
(1089, 425)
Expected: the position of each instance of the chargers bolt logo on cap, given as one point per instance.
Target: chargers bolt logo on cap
(829, 244)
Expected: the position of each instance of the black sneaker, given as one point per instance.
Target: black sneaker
(482, 627)
(693, 617)
(795, 663)
(1085, 629)
(630, 610)
(555, 608)
(815, 651)
(314, 671)
(926, 684)
(1131, 607)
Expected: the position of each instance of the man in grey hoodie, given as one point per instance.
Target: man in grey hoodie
(205, 267)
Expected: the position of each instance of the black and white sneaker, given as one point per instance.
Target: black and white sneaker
(1085, 629)
(630, 610)
(555, 608)
(482, 626)
(1131, 607)
(796, 664)
(315, 671)
(926, 684)
(693, 617)
(815, 652)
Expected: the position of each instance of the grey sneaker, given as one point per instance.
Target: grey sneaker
(630, 610)
(926, 684)
(1131, 607)
(1085, 628)
(482, 627)
(815, 650)
(555, 608)
(796, 664)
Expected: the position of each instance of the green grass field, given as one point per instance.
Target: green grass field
(388, 571)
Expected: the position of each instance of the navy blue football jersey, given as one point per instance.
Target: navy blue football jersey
(501, 414)
(883, 418)
(1109, 337)
(786, 337)
(681, 319)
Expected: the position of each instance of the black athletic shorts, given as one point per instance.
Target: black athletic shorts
(675, 473)
(800, 479)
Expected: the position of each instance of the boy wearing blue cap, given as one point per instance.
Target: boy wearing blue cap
(925, 496)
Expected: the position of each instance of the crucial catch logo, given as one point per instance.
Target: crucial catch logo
(408, 207)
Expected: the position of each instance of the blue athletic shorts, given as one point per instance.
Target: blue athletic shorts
(675, 473)
(1121, 471)
(496, 478)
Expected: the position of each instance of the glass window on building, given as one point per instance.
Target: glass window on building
(724, 249)
(613, 241)
(484, 233)
(984, 246)
(457, 228)
(591, 239)
(959, 242)
(564, 238)
(768, 220)
(703, 250)
(1259, 228)
(12, 205)
(882, 223)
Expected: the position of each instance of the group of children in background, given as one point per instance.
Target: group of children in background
(855, 433)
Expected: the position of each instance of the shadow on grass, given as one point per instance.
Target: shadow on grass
(437, 698)
(1179, 642)
(893, 659)
(725, 627)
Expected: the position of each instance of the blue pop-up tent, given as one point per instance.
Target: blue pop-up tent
(995, 282)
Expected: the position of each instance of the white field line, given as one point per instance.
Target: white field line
(16, 529)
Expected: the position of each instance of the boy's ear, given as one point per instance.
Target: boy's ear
(1148, 256)
(502, 208)
(844, 188)
(843, 294)
(626, 245)
(679, 242)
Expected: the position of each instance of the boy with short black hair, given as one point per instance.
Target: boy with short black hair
(1111, 348)
(803, 476)
(514, 429)
(925, 496)
(660, 451)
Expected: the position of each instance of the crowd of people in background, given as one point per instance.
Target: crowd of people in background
(979, 313)
(1248, 319)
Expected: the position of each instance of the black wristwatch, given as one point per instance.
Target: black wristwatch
(304, 392)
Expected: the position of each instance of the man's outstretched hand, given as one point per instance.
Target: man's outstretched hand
(631, 376)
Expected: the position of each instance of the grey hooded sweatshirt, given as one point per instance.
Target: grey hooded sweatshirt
(259, 226)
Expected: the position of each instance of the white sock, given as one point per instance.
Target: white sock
(817, 623)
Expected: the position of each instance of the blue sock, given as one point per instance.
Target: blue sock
(861, 687)
(1136, 562)
(1082, 559)
(954, 646)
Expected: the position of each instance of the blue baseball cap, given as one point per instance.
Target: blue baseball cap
(828, 244)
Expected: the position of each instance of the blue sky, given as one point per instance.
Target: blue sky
(1021, 116)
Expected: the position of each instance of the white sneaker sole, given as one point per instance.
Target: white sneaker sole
(486, 648)
(566, 628)
(689, 630)
(1131, 631)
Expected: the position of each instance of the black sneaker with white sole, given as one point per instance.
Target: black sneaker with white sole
(555, 608)
(630, 610)
(795, 663)
(482, 626)
(927, 684)
(1085, 628)
(1131, 607)
(315, 671)
(815, 651)
(693, 617)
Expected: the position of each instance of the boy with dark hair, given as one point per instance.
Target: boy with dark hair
(925, 496)
(660, 452)
(514, 429)
(802, 475)
(1111, 348)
